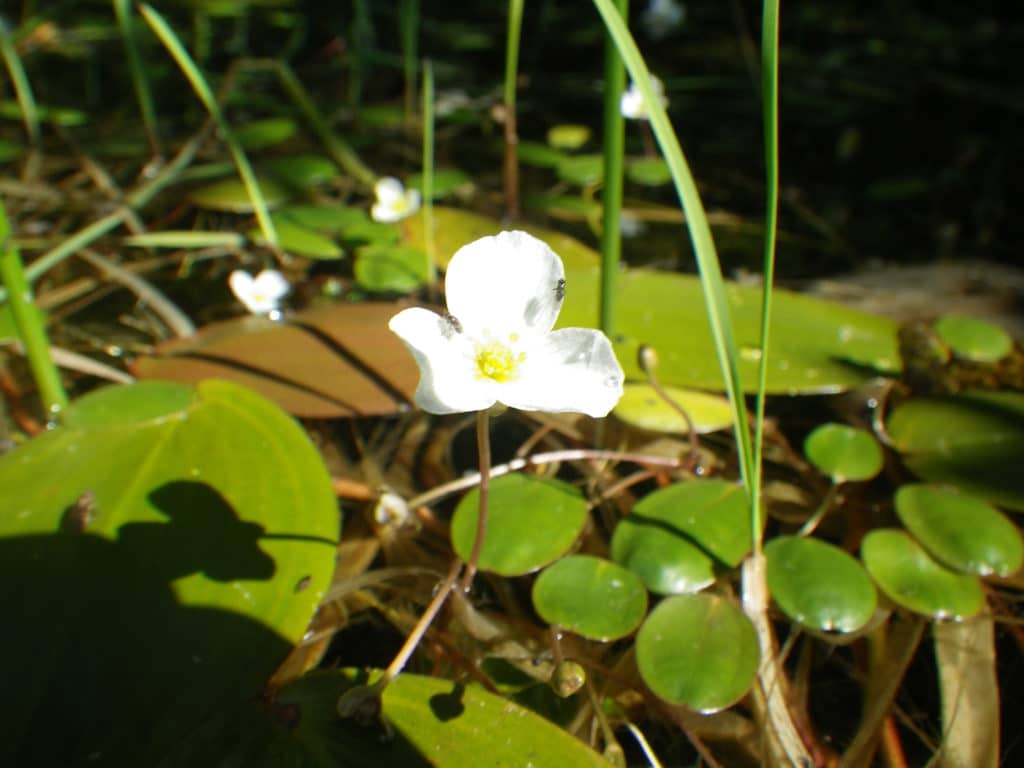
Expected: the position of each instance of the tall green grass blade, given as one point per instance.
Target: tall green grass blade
(770, 106)
(614, 152)
(408, 23)
(700, 232)
(511, 169)
(428, 172)
(126, 23)
(22, 89)
(173, 45)
(29, 322)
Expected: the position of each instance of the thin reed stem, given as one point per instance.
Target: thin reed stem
(483, 442)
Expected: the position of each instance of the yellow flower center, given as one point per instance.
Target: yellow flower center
(497, 361)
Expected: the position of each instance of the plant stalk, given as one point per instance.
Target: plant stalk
(511, 168)
(483, 442)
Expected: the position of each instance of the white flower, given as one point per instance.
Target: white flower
(394, 201)
(662, 17)
(261, 294)
(495, 344)
(632, 103)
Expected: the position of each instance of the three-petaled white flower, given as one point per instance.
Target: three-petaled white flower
(262, 294)
(632, 103)
(495, 344)
(394, 201)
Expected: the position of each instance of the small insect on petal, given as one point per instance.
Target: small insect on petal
(560, 290)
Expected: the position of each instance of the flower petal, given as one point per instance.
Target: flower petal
(272, 284)
(572, 370)
(509, 283)
(388, 190)
(448, 382)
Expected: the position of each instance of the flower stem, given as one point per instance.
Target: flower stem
(28, 322)
(483, 442)
(515, 25)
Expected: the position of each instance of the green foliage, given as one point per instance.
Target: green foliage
(844, 453)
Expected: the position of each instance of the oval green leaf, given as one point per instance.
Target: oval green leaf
(910, 578)
(642, 407)
(969, 441)
(697, 650)
(302, 172)
(581, 170)
(816, 346)
(590, 596)
(260, 134)
(429, 722)
(391, 268)
(676, 538)
(230, 195)
(156, 509)
(531, 521)
(843, 452)
(649, 171)
(446, 181)
(961, 530)
(299, 240)
(569, 136)
(974, 339)
(819, 585)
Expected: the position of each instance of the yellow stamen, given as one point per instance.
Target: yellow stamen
(496, 361)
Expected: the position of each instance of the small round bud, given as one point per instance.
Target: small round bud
(567, 678)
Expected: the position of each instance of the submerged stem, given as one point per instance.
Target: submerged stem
(483, 442)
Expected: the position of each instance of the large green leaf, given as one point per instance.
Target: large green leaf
(161, 552)
(973, 441)
(843, 452)
(816, 346)
(698, 650)
(426, 721)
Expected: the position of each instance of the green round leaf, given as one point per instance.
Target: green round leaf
(446, 181)
(325, 219)
(230, 195)
(391, 268)
(642, 407)
(302, 172)
(203, 518)
(974, 339)
(819, 585)
(259, 134)
(539, 155)
(591, 597)
(699, 651)
(971, 441)
(844, 452)
(910, 578)
(299, 240)
(649, 171)
(568, 136)
(531, 521)
(581, 170)
(961, 530)
(674, 536)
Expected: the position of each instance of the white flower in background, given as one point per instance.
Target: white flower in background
(662, 18)
(495, 344)
(261, 294)
(394, 201)
(632, 103)
(449, 102)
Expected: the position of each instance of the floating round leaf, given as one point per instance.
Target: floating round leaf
(299, 240)
(961, 530)
(674, 535)
(969, 441)
(155, 506)
(391, 268)
(844, 452)
(231, 195)
(302, 172)
(539, 155)
(819, 585)
(974, 339)
(649, 171)
(446, 181)
(581, 170)
(568, 136)
(699, 651)
(910, 578)
(590, 596)
(326, 219)
(640, 406)
(531, 521)
(258, 134)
